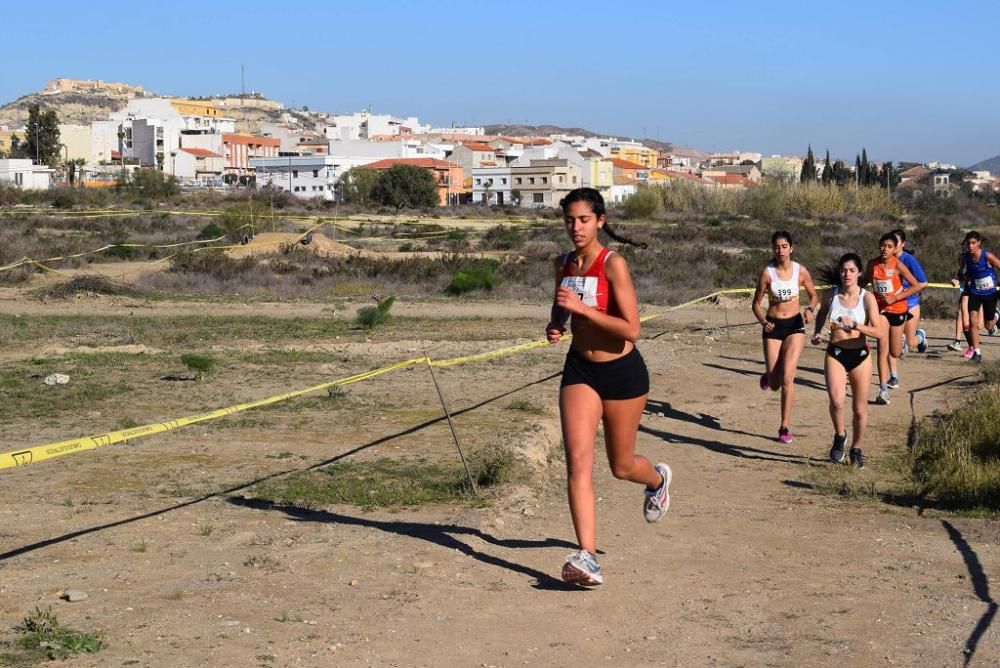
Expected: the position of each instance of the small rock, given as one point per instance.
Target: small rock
(527, 511)
(650, 637)
(423, 564)
(354, 583)
(73, 595)
(56, 379)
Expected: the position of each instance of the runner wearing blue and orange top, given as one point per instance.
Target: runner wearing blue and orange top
(914, 338)
(605, 378)
(886, 275)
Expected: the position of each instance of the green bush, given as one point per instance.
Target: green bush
(371, 317)
(479, 277)
(767, 203)
(210, 231)
(43, 636)
(956, 456)
(645, 203)
(502, 237)
(199, 364)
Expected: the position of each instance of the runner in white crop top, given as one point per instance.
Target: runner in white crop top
(783, 325)
(840, 313)
(853, 314)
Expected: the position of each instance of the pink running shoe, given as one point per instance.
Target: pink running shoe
(969, 352)
(764, 383)
(784, 435)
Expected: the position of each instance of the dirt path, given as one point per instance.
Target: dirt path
(752, 567)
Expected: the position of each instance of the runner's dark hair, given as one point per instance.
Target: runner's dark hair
(596, 202)
(830, 274)
(888, 236)
(974, 235)
(782, 234)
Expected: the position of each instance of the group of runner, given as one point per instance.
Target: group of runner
(605, 379)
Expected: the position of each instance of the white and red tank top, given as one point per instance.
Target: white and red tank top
(592, 285)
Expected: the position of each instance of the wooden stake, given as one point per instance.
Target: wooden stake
(451, 424)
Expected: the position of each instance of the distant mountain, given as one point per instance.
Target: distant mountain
(992, 165)
(546, 130)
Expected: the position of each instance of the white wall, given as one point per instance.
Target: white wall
(304, 176)
(24, 175)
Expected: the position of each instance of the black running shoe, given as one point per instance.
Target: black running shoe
(837, 454)
(857, 458)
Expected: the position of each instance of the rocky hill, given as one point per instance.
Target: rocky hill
(94, 103)
(992, 165)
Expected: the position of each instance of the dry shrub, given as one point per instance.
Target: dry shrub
(90, 284)
(213, 262)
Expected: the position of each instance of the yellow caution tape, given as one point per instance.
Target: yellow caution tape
(50, 450)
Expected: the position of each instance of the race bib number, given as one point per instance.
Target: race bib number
(983, 284)
(882, 288)
(783, 292)
(584, 286)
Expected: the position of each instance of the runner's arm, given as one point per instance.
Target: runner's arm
(915, 286)
(558, 315)
(992, 259)
(878, 329)
(758, 299)
(824, 310)
(807, 283)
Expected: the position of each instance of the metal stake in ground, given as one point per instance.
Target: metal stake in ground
(451, 423)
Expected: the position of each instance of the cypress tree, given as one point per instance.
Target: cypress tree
(808, 167)
(866, 170)
(827, 169)
(857, 168)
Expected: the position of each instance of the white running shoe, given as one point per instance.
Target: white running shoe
(582, 568)
(656, 503)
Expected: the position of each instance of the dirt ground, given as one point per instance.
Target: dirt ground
(751, 567)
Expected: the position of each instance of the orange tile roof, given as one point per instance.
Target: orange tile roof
(476, 146)
(241, 138)
(201, 153)
(625, 164)
(416, 162)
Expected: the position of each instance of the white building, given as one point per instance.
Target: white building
(26, 176)
(197, 164)
(147, 130)
(103, 142)
(379, 150)
(305, 176)
(492, 185)
(364, 125)
(459, 130)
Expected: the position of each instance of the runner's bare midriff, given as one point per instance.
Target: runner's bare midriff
(596, 345)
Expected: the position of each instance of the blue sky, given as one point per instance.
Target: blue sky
(908, 80)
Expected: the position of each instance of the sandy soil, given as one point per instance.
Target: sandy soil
(752, 566)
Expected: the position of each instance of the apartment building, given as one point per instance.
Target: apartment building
(544, 182)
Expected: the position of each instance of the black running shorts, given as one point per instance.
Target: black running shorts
(625, 377)
(988, 302)
(897, 319)
(785, 327)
